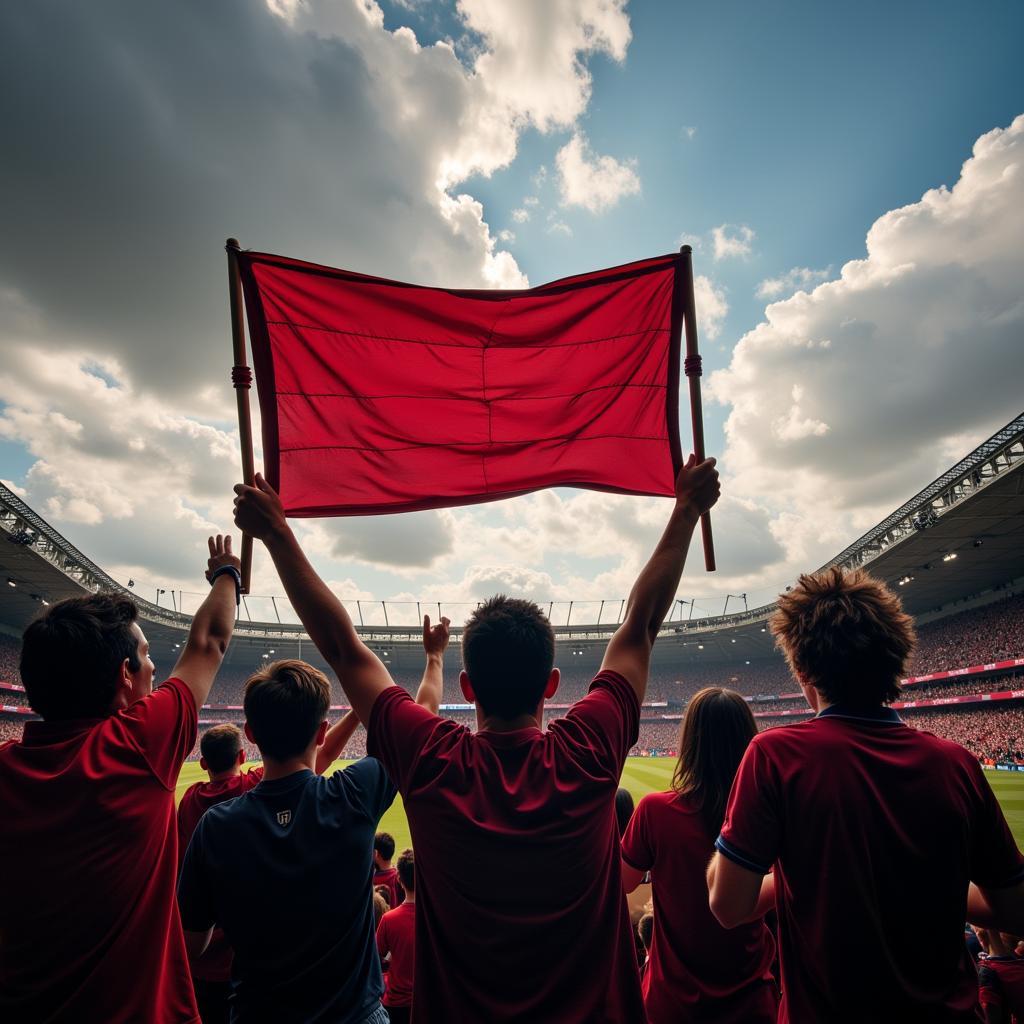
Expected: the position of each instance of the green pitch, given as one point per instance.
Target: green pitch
(650, 774)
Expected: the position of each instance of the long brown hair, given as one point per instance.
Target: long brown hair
(717, 728)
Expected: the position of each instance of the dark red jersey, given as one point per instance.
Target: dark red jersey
(519, 882)
(875, 830)
(90, 927)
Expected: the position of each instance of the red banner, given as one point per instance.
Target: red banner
(378, 396)
(992, 666)
(931, 702)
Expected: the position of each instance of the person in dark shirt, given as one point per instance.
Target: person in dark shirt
(513, 825)
(884, 838)
(222, 760)
(285, 868)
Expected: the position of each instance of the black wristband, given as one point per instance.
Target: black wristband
(223, 570)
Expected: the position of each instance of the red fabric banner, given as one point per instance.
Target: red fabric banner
(378, 396)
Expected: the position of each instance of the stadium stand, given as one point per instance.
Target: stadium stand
(973, 637)
(10, 648)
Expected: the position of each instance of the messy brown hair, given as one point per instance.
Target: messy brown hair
(716, 731)
(284, 706)
(845, 634)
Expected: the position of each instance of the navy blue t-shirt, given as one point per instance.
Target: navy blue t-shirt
(285, 871)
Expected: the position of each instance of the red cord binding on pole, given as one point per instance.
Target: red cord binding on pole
(241, 376)
(691, 366)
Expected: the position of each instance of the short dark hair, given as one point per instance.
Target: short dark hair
(380, 908)
(285, 704)
(384, 844)
(71, 656)
(406, 865)
(221, 746)
(508, 649)
(845, 634)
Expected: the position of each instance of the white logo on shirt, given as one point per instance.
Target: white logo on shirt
(283, 817)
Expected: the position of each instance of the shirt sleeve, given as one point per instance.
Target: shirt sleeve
(996, 863)
(637, 848)
(600, 729)
(195, 902)
(367, 785)
(750, 834)
(399, 732)
(162, 727)
(383, 946)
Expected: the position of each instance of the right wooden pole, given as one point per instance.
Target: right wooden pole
(692, 369)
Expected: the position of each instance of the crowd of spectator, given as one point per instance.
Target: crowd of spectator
(990, 733)
(10, 651)
(961, 687)
(976, 636)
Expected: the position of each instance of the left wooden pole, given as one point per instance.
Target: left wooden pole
(241, 378)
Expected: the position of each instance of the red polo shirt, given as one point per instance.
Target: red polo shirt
(875, 830)
(198, 799)
(696, 969)
(519, 884)
(396, 934)
(89, 922)
(215, 963)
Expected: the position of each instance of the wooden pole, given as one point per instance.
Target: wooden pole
(692, 370)
(241, 378)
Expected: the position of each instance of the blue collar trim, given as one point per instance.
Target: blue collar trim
(879, 713)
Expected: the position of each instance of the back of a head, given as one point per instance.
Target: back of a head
(220, 746)
(284, 707)
(384, 844)
(624, 808)
(71, 656)
(845, 634)
(406, 865)
(716, 731)
(508, 650)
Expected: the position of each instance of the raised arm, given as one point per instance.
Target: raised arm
(629, 651)
(258, 511)
(212, 624)
(335, 741)
(997, 909)
(435, 641)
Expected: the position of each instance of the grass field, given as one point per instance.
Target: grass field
(648, 774)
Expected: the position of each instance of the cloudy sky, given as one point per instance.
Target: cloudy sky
(852, 181)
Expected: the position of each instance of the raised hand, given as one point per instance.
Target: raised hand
(697, 485)
(258, 510)
(220, 555)
(435, 638)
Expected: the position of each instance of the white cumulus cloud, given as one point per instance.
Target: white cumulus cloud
(594, 182)
(796, 278)
(729, 241)
(847, 399)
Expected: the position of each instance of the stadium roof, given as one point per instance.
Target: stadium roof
(974, 511)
